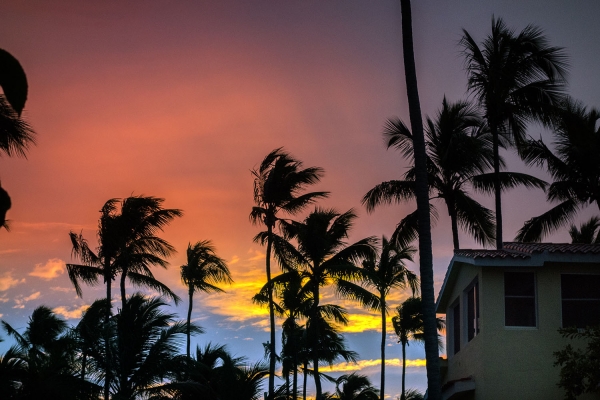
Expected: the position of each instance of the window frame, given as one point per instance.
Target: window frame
(535, 300)
(474, 285)
(572, 299)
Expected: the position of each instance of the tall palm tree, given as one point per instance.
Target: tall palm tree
(422, 196)
(459, 154)
(278, 183)
(127, 244)
(202, 272)
(574, 166)
(408, 325)
(354, 387)
(384, 273)
(516, 78)
(323, 258)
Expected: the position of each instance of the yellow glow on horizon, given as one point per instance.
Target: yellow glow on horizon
(362, 364)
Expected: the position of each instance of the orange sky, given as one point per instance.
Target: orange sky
(182, 99)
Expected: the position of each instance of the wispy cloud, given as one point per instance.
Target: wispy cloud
(21, 300)
(70, 313)
(52, 269)
(62, 289)
(7, 281)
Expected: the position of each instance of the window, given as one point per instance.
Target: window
(456, 328)
(580, 296)
(472, 295)
(519, 299)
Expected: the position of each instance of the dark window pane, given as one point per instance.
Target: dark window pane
(580, 313)
(580, 286)
(519, 284)
(473, 312)
(456, 327)
(519, 311)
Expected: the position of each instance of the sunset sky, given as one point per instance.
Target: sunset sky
(182, 99)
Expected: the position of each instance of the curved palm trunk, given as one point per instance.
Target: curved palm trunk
(122, 286)
(383, 336)
(497, 194)
(403, 397)
(189, 318)
(422, 195)
(271, 314)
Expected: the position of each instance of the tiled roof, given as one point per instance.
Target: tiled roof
(525, 250)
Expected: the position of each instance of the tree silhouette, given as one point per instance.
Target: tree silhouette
(408, 325)
(203, 270)
(277, 185)
(127, 244)
(516, 78)
(574, 167)
(384, 273)
(421, 194)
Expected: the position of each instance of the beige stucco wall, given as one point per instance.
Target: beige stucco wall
(510, 362)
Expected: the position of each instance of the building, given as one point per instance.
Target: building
(503, 311)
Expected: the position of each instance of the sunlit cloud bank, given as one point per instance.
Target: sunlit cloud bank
(52, 269)
(365, 364)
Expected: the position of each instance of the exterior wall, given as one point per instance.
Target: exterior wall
(513, 362)
(469, 360)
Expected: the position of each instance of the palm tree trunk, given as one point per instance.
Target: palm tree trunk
(383, 336)
(107, 371)
(122, 285)
(403, 397)
(189, 318)
(497, 194)
(271, 314)
(422, 195)
(315, 344)
(454, 223)
(304, 377)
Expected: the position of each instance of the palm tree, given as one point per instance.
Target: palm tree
(226, 377)
(588, 232)
(459, 153)
(516, 78)
(323, 258)
(15, 134)
(384, 273)
(90, 333)
(43, 363)
(149, 340)
(127, 244)
(408, 325)
(204, 269)
(354, 387)
(422, 196)
(574, 167)
(277, 185)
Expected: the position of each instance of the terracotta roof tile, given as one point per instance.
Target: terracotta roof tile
(525, 250)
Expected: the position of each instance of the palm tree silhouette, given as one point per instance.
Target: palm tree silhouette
(203, 270)
(127, 244)
(323, 258)
(354, 387)
(574, 167)
(422, 196)
(15, 134)
(516, 78)
(43, 362)
(408, 325)
(588, 232)
(277, 185)
(384, 273)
